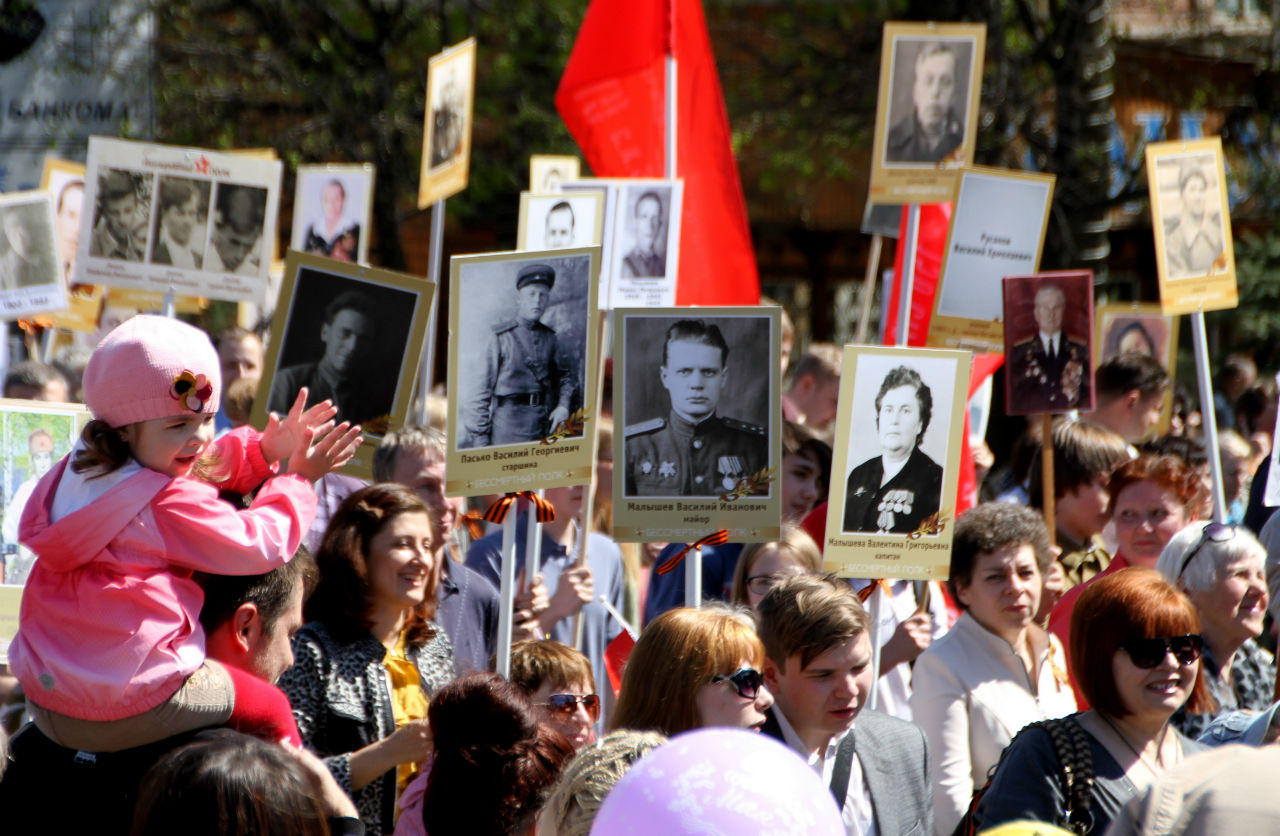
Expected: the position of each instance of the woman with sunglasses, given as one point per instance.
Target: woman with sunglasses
(765, 565)
(692, 669)
(1135, 648)
(1221, 569)
(995, 670)
(557, 680)
(1153, 497)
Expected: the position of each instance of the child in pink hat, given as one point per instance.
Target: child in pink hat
(109, 649)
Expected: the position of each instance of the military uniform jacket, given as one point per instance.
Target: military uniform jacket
(639, 265)
(907, 143)
(901, 504)
(673, 457)
(519, 360)
(1037, 380)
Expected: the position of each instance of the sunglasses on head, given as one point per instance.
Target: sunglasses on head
(566, 704)
(746, 682)
(1214, 532)
(1147, 653)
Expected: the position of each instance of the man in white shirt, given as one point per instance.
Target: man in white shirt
(818, 665)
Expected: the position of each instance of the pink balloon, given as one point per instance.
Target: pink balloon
(720, 781)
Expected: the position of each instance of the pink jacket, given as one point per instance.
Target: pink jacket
(108, 627)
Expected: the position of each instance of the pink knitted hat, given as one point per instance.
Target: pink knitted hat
(152, 367)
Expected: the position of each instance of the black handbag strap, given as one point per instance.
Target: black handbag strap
(843, 766)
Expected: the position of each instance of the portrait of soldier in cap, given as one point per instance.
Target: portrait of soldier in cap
(526, 382)
(693, 450)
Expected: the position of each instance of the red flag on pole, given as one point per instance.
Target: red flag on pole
(612, 99)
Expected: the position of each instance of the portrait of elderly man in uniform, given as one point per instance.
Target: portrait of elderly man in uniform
(1048, 371)
(526, 383)
(693, 451)
(892, 493)
(644, 260)
(342, 374)
(933, 128)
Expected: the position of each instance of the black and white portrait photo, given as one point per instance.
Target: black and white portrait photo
(898, 431)
(447, 123)
(1191, 214)
(122, 206)
(180, 229)
(644, 216)
(331, 211)
(346, 339)
(696, 405)
(929, 99)
(548, 171)
(557, 221)
(522, 326)
(448, 120)
(236, 243)
(28, 251)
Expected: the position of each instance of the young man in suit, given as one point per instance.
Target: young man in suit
(817, 664)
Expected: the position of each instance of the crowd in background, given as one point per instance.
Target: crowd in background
(1124, 644)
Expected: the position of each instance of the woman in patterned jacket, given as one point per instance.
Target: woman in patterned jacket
(370, 657)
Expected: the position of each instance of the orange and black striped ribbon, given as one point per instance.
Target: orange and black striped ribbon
(865, 592)
(715, 538)
(473, 521)
(546, 512)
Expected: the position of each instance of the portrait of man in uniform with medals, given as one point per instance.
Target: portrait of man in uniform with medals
(1047, 340)
(698, 447)
(894, 491)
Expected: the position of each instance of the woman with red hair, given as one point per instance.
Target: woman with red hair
(1135, 647)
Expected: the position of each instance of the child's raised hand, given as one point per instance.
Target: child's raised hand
(283, 435)
(334, 448)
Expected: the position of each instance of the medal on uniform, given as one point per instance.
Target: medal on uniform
(646, 467)
(730, 468)
(667, 470)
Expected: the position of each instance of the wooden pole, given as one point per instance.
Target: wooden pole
(869, 288)
(1046, 475)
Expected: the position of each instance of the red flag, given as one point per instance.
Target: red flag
(612, 99)
(616, 654)
(931, 240)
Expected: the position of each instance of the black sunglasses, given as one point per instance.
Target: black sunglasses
(746, 682)
(566, 704)
(1214, 532)
(1147, 653)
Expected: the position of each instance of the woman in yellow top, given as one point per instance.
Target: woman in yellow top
(370, 657)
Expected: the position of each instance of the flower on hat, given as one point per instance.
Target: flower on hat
(191, 390)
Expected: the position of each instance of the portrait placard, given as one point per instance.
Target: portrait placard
(350, 334)
(926, 110)
(891, 510)
(548, 171)
(698, 395)
(64, 181)
(34, 435)
(523, 355)
(201, 223)
(1048, 321)
(1136, 326)
(1191, 219)
(646, 250)
(997, 230)
(558, 220)
(608, 188)
(446, 136)
(30, 279)
(333, 210)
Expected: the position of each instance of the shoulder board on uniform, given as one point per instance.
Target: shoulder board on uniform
(1028, 341)
(644, 427)
(743, 426)
(504, 326)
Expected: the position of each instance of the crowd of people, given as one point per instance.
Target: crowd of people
(220, 633)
